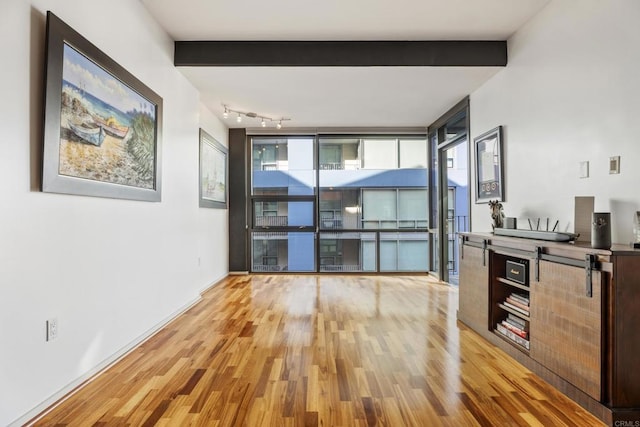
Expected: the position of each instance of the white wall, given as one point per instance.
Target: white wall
(569, 94)
(109, 270)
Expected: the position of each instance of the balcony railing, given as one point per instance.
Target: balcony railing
(347, 222)
(330, 224)
(457, 224)
(272, 221)
(341, 267)
(331, 166)
(350, 165)
(280, 165)
(453, 226)
(394, 223)
(268, 268)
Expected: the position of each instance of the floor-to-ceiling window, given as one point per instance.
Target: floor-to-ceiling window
(373, 203)
(282, 204)
(340, 204)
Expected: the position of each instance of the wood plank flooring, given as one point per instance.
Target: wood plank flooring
(319, 351)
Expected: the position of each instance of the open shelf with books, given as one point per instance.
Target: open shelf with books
(510, 300)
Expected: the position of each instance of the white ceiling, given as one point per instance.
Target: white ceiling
(340, 96)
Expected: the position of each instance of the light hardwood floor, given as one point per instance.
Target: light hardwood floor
(304, 350)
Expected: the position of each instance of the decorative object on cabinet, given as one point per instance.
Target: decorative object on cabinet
(554, 236)
(101, 124)
(636, 230)
(489, 174)
(601, 230)
(213, 172)
(497, 214)
(583, 208)
(511, 222)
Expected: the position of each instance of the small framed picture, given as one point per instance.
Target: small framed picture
(489, 173)
(213, 172)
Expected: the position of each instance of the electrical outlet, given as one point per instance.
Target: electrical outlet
(52, 329)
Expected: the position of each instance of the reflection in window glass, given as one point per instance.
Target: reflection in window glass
(340, 209)
(373, 183)
(340, 154)
(283, 214)
(347, 251)
(380, 153)
(379, 209)
(282, 166)
(412, 208)
(456, 127)
(413, 154)
(404, 251)
(283, 251)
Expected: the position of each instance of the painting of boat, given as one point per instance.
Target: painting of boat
(90, 132)
(112, 127)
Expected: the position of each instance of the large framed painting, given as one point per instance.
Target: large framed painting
(213, 172)
(102, 126)
(489, 174)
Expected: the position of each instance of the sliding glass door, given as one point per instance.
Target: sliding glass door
(450, 204)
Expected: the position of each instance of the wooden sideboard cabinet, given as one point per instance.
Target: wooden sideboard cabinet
(568, 312)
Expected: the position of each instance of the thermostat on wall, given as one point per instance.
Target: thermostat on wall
(614, 164)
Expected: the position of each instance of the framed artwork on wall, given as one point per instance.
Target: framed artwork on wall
(102, 125)
(489, 170)
(213, 172)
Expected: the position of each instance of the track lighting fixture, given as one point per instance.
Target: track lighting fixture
(251, 115)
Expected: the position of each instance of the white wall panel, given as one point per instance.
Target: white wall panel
(569, 94)
(109, 270)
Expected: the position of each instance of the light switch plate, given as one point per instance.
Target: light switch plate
(52, 329)
(584, 170)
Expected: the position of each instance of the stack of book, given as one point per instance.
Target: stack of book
(518, 302)
(515, 329)
(512, 336)
(516, 325)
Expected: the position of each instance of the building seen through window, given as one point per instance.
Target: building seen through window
(360, 203)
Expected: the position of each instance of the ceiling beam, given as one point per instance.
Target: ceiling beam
(458, 53)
